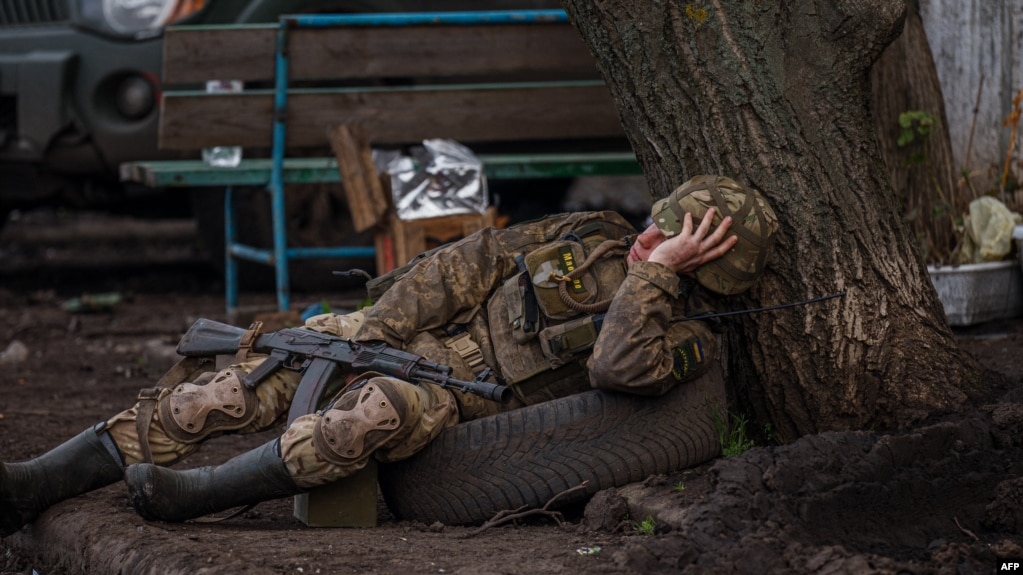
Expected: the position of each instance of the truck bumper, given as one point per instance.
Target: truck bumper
(32, 82)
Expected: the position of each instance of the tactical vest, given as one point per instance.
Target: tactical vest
(545, 318)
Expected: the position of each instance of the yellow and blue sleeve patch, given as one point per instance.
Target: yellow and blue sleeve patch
(688, 357)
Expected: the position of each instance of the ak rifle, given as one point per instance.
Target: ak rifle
(318, 355)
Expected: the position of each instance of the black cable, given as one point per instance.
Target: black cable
(769, 308)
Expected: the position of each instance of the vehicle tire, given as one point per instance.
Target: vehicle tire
(526, 456)
(318, 216)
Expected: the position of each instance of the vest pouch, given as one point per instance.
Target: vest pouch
(516, 361)
(564, 342)
(552, 261)
(522, 312)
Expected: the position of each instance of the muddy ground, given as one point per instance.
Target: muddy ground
(946, 497)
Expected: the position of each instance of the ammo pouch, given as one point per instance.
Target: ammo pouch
(562, 280)
(532, 295)
(520, 301)
(564, 342)
(546, 318)
(584, 252)
(524, 366)
(549, 267)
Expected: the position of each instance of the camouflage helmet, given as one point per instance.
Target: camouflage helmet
(753, 221)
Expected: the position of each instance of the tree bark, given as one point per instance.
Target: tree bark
(776, 95)
(922, 171)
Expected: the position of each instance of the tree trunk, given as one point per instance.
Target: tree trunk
(922, 169)
(776, 95)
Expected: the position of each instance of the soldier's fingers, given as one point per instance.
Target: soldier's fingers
(705, 223)
(720, 249)
(687, 225)
(721, 230)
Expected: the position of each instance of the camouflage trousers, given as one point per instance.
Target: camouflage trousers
(426, 411)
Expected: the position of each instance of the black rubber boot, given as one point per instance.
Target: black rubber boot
(87, 461)
(158, 493)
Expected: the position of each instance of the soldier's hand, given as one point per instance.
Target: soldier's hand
(692, 248)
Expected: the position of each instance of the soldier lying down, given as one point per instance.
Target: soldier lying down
(553, 307)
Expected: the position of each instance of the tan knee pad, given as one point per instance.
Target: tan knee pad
(362, 421)
(194, 411)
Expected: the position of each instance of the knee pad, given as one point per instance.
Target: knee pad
(362, 421)
(219, 402)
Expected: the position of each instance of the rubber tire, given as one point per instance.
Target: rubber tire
(526, 456)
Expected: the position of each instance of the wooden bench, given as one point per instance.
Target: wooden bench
(519, 87)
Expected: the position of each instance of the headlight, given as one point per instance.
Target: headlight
(131, 16)
(137, 17)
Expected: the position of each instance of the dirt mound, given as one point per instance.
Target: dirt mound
(941, 498)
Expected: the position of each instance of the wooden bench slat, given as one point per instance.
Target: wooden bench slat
(468, 113)
(256, 172)
(194, 54)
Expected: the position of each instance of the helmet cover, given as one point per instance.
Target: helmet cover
(753, 221)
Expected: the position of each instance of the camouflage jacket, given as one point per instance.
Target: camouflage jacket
(643, 347)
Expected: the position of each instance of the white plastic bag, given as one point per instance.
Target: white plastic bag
(988, 233)
(443, 179)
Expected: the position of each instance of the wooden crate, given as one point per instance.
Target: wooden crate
(401, 240)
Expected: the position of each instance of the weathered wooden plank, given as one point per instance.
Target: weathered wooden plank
(256, 172)
(195, 54)
(468, 113)
(367, 202)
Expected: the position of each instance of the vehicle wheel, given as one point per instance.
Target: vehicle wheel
(527, 456)
(317, 217)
